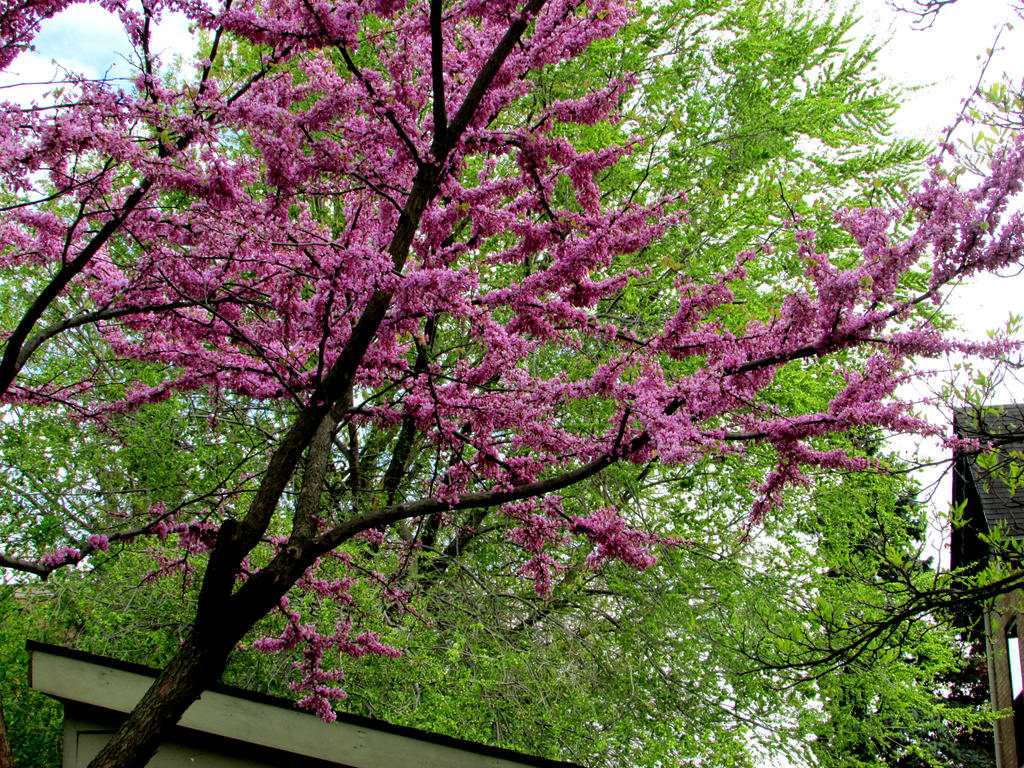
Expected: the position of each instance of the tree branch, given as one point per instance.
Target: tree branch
(437, 79)
(396, 512)
(9, 364)
(388, 113)
(12, 360)
(486, 76)
(308, 504)
(38, 339)
(25, 566)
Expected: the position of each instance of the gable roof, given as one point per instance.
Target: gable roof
(263, 724)
(998, 485)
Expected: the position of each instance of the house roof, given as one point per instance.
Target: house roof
(995, 470)
(274, 725)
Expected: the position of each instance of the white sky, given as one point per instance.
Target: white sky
(945, 60)
(940, 65)
(943, 63)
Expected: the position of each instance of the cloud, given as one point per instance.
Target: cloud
(28, 80)
(88, 40)
(85, 39)
(172, 37)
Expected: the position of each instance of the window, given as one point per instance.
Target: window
(1016, 686)
(1013, 656)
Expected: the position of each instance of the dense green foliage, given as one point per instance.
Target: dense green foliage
(33, 720)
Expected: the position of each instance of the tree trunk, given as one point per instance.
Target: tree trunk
(222, 620)
(196, 666)
(6, 758)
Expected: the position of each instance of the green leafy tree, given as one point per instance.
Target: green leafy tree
(33, 721)
(943, 718)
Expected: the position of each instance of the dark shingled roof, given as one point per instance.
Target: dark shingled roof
(996, 468)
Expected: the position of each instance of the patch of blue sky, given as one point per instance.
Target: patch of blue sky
(85, 39)
(89, 40)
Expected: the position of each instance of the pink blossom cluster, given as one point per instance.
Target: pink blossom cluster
(61, 556)
(321, 685)
(539, 569)
(542, 525)
(66, 555)
(98, 541)
(615, 540)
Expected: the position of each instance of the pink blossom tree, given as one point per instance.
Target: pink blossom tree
(347, 216)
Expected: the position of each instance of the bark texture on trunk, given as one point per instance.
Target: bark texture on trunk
(197, 665)
(6, 758)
